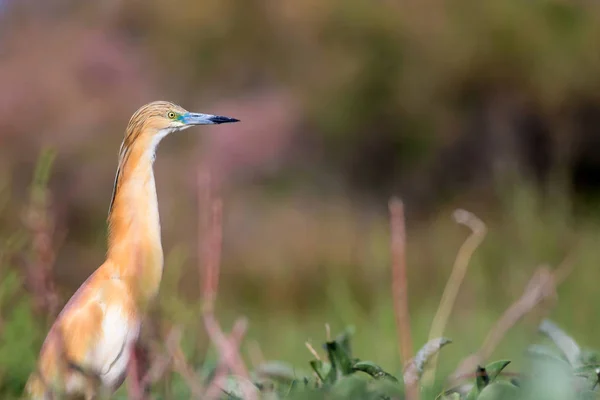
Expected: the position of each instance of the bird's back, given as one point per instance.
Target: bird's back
(88, 344)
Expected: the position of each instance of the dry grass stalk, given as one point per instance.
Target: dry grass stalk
(312, 350)
(211, 227)
(174, 358)
(161, 364)
(181, 366)
(459, 270)
(541, 287)
(400, 288)
(230, 359)
(228, 348)
(414, 369)
(45, 239)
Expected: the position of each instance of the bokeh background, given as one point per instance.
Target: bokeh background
(491, 106)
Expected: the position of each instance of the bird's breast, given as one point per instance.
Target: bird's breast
(111, 354)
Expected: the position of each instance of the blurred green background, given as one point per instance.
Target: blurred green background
(492, 106)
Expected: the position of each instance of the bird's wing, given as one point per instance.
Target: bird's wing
(98, 325)
(118, 329)
(80, 330)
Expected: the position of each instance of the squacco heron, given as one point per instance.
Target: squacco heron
(89, 349)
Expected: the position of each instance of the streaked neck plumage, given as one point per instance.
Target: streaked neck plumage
(134, 238)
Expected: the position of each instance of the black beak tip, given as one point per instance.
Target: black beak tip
(223, 120)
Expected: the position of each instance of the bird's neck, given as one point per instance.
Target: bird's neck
(134, 240)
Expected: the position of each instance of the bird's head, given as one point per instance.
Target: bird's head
(160, 118)
(152, 122)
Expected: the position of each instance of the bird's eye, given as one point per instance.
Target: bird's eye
(171, 115)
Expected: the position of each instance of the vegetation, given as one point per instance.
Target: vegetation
(560, 370)
(491, 107)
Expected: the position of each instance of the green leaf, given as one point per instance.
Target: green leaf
(551, 378)
(587, 369)
(473, 393)
(543, 352)
(589, 356)
(590, 372)
(372, 369)
(319, 367)
(276, 370)
(494, 369)
(341, 364)
(343, 340)
(481, 378)
(567, 345)
(501, 390)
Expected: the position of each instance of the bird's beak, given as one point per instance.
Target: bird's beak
(205, 119)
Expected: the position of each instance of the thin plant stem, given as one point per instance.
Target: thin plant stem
(400, 288)
(459, 270)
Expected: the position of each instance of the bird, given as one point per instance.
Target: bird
(89, 350)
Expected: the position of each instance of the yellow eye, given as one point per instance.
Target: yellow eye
(171, 115)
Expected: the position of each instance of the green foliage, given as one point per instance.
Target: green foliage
(564, 370)
(19, 335)
(546, 376)
(41, 176)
